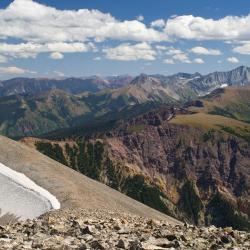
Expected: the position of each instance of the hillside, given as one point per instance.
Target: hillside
(230, 102)
(34, 115)
(40, 106)
(72, 189)
(183, 164)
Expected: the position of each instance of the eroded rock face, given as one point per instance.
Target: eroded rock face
(187, 164)
(99, 229)
(188, 172)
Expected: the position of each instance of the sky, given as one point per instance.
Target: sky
(51, 38)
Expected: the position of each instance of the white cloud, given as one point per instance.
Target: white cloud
(199, 28)
(58, 73)
(243, 49)
(205, 51)
(159, 23)
(56, 56)
(173, 51)
(129, 52)
(3, 59)
(233, 60)
(161, 47)
(177, 55)
(182, 57)
(35, 22)
(169, 61)
(14, 70)
(30, 49)
(199, 61)
(140, 18)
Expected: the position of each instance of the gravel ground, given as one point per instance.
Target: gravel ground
(100, 229)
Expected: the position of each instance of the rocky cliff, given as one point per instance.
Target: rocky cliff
(186, 170)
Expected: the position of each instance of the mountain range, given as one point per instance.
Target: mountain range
(188, 161)
(38, 106)
(181, 82)
(179, 144)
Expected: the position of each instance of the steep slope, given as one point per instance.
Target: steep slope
(236, 77)
(71, 189)
(182, 163)
(33, 115)
(187, 86)
(30, 115)
(231, 102)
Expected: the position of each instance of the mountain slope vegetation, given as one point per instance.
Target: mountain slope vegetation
(184, 162)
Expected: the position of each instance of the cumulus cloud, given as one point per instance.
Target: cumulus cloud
(47, 24)
(177, 55)
(181, 57)
(205, 51)
(129, 52)
(199, 28)
(14, 70)
(243, 49)
(30, 49)
(56, 56)
(199, 61)
(140, 18)
(159, 23)
(57, 32)
(233, 60)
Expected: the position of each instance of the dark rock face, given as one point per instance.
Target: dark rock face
(185, 171)
(191, 165)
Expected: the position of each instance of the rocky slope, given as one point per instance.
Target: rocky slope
(184, 162)
(185, 86)
(101, 229)
(72, 189)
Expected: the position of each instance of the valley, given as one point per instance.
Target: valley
(186, 157)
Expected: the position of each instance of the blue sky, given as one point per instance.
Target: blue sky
(51, 38)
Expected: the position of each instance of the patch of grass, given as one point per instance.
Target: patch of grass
(214, 122)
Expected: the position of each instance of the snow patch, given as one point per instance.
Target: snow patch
(27, 183)
(224, 85)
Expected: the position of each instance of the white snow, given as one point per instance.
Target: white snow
(224, 85)
(19, 194)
